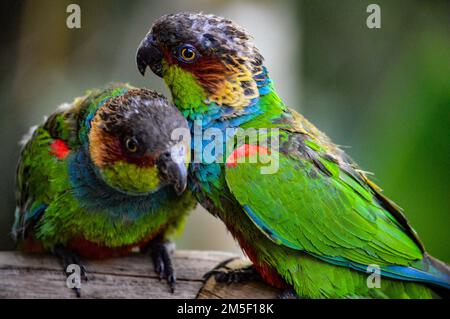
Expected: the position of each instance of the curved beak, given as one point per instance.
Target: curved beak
(173, 170)
(148, 54)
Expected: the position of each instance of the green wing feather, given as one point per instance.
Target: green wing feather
(43, 184)
(326, 214)
(40, 176)
(38, 179)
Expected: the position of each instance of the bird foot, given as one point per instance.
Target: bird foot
(233, 271)
(289, 294)
(160, 251)
(68, 258)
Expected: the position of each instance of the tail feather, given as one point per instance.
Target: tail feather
(428, 270)
(437, 268)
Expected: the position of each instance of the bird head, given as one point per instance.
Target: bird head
(131, 144)
(203, 59)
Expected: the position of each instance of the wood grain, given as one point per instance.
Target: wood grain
(41, 276)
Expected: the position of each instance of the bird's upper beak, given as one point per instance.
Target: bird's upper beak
(173, 169)
(148, 54)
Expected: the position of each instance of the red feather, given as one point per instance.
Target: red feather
(245, 150)
(59, 149)
(267, 272)
(90, 250)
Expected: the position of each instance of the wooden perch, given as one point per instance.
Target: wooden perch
(41, 276)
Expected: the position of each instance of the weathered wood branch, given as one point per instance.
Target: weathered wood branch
(41, 276)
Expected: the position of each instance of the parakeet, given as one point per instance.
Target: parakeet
(318, 222)
(101, 176)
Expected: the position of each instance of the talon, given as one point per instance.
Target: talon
(68, 257)
(77, 292)
(289, 294)
(225, 272)
(84, 275)
(172, 281)
(159, 267)
(160, 253)
(216, 270)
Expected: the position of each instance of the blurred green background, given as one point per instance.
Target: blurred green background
(385, 92)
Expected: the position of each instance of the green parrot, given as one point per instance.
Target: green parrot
(102, 176)
(317, 224)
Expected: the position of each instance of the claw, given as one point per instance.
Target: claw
(77, 292)
(160, 253)
(158, 265)
(288, 294)
(172, 281)
(68, 257)
(226, 273)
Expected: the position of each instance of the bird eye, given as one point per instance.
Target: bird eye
(187, 53)
(131, 144)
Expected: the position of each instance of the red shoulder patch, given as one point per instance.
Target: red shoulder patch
(59, 149)
(245, 151)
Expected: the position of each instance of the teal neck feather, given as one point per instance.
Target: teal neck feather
(95, 195)
(258, 113)
(97, 101)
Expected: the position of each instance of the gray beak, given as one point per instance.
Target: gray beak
(149, 55)
(173, 172)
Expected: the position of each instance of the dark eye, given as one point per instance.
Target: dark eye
(187, 53)
(131, 144)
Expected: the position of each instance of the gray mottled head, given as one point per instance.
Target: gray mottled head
(130, 142)
(216, 51)
(209, 33)
(144, 115)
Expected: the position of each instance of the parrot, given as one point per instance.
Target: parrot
(316, 226)
(102, 176)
